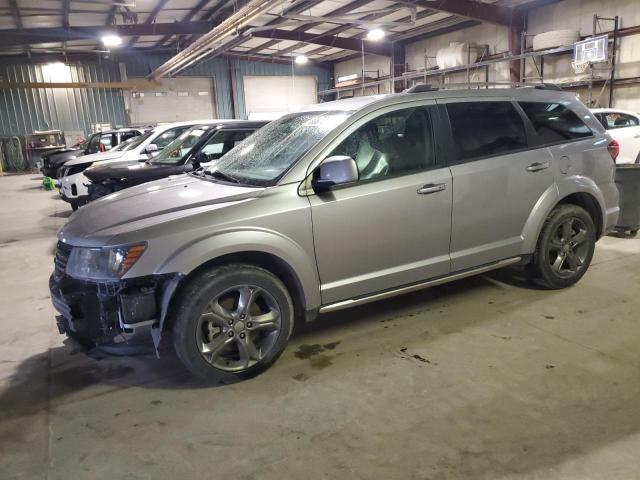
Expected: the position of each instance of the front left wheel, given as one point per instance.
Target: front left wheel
(232, 322)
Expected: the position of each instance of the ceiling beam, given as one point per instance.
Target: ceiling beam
(187, 18)
(66, 6)
(303, 28)
(15, 13)
(353, 44)
(111, 17)
(215, 15)
(335, 31)
(150, 19)
(485, 12)
(50, 35)
(441, 27)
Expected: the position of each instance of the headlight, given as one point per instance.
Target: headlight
(103, 263)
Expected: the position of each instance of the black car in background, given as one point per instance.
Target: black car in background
(98, 142)
(199, 146)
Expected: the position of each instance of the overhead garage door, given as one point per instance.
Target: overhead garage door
(267, 97)
(177, 99)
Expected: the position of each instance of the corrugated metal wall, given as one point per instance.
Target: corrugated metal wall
(219, 69)
(25, 110)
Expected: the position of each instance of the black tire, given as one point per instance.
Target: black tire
(547, 255)
(74, 206)
(198, 295)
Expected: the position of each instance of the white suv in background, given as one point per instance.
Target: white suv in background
(73, 183)
(624, 127)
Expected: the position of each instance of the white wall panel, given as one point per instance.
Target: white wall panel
(178, 99)
(276, 94)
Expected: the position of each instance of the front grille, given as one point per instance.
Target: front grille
(62, 257)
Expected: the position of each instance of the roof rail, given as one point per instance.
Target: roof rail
(421, 87)
(549, 86)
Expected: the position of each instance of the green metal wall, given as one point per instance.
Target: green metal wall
(24, 110)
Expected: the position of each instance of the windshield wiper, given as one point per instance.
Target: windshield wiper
(221, 176)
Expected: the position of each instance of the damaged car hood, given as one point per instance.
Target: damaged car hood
(136, 208)
(131, 170)
(94, 157)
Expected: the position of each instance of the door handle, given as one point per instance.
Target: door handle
(431, 188)
(536, 167)
(637, 135)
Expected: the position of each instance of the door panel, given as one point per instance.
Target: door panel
(492, 200)
(496, 183)
(393, 226)
(380, 235)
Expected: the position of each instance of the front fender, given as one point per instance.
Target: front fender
(231, 241)
(549, 199)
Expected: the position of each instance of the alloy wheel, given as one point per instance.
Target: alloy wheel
(238, 328)
(568, 247)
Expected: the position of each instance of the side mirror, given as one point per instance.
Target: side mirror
(188, 167)
(151, 148)
(198, 159)
(334, 171)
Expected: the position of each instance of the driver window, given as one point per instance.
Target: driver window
(395, 143)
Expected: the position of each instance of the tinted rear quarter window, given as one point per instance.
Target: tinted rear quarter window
(612, 120)
(554, 123)
(483, 129)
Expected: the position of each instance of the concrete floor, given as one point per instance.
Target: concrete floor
(482, 378)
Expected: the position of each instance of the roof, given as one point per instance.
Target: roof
(357, 103)
(323, 30)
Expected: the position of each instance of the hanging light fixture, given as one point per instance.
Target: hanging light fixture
(301, 59)
(111, 40)
(375, 34)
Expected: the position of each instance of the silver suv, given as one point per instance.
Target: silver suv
(345, 203)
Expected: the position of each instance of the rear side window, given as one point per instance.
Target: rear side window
(554, 122)
(124, 136)
(612, 120)
(482, 129)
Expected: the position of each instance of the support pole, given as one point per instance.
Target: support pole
(613, 60)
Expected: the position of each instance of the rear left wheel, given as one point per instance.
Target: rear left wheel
(232, 322)
(565, 247)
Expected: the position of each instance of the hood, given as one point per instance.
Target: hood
(94, 157)
(61, 156)
(131, 170)
(136, 208)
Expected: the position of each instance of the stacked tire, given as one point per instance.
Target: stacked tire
(555, 38)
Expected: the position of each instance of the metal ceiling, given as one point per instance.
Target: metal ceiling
(324, 30)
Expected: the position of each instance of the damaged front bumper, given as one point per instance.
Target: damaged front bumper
(95, 313)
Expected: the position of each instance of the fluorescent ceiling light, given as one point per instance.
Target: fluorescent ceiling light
(375, 34)
(111, 40)
(301, 59)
